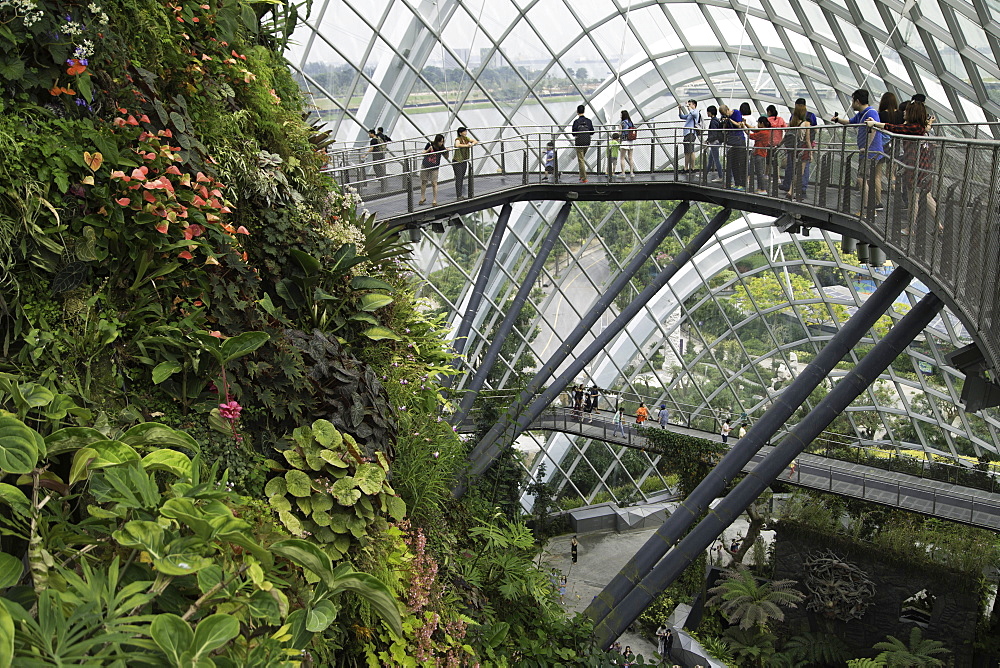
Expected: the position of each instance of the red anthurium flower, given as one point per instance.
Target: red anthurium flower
(124, 201)
(162, 227)
(122, 110)
(149, 197)
(172, 169)
(144, 118)
(203, 191)
(242, 230)
(201, 178)
(225, 209)
(186, 255)
(131, 120)
(118, 122)
(216, 333)
(197, 201)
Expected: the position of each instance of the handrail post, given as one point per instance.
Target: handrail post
(503, 158)
(472, 181)
(524, 166)
(555, 162)
(409, 185)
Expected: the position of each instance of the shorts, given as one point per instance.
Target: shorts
(689, 139)
(429, 175)
(549, 169)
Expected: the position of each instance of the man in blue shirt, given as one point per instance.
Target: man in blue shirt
(736, 145)
(869, 145)
(692, 122)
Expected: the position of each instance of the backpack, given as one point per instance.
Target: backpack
(631, 134)
(699, 127)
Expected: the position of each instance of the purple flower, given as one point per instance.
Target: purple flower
(230, 410)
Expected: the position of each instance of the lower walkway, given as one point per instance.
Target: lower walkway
(898, 490)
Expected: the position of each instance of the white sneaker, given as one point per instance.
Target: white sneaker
(716, 180)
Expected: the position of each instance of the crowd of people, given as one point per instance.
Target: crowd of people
(754, 150)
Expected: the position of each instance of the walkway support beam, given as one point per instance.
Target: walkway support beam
(485, 272)
(486, 451)
(708, 530)
(490, 358)
(760, 433)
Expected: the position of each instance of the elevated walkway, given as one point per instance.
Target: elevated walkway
(897, 490)
(940, 197)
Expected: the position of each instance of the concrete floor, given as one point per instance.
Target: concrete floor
(601, 556)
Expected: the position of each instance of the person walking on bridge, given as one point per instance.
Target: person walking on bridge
(433, 153)
(641, 414)
(619, 421)
(663, 417)
(628, 135)
(583, 131)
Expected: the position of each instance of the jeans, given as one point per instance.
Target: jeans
(759, 173)
(799, 166)
(460, 168)
(713, 159)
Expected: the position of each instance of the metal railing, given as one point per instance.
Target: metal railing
(909, 495)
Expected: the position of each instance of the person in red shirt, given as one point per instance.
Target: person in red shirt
(762, 138)
(777, 125)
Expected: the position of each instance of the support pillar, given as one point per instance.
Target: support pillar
(759, 434)
(767, 471)
(490, 358)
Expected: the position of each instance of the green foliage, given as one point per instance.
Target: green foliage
(329, 490)
(815, 649)
(751, 604)
(918, 652)
(718, 648)
(688, 457)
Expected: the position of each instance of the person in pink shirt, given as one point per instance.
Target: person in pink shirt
(762, 137)
(777, 125)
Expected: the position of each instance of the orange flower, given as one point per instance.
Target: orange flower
(75, 67)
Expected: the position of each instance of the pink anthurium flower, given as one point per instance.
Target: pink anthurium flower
(124, 201)
(138, 174)
(201, 178)
(185, 255)
(242, 230)
(172, 169)
(119, 174)
(162, 227)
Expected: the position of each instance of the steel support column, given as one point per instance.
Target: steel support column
(490, 358)
(767, 471)
(759, 434)
(485, 271)
(486, 451)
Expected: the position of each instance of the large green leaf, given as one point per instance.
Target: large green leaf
(184, 563)
(11, 569)
(309, 264)
(35, 395)
(142, 534)
(396, 507)
(6, 637)
(18, 446)
(369, 477)
(381, 333)
(213, 632)
(170, 461)
(374, 301)
(165, 370)
(305, 554)
(15, 498)
(372, 590)
(154, 433)
(298, 483)
(345, 491)
(71, 438)
(326, 434)
(320, 616)
(172, 635)
(369, 283)
(241, 345)
(275, 487)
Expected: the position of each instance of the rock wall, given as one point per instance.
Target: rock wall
(952, 617)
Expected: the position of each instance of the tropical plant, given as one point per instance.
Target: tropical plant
(750, 603)
(718, 648)
(752, 646)
(331, 490)
(815, 649)
(918, 652)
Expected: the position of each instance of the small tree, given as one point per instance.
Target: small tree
(919, 653)
(582, 73)
(748, 603)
